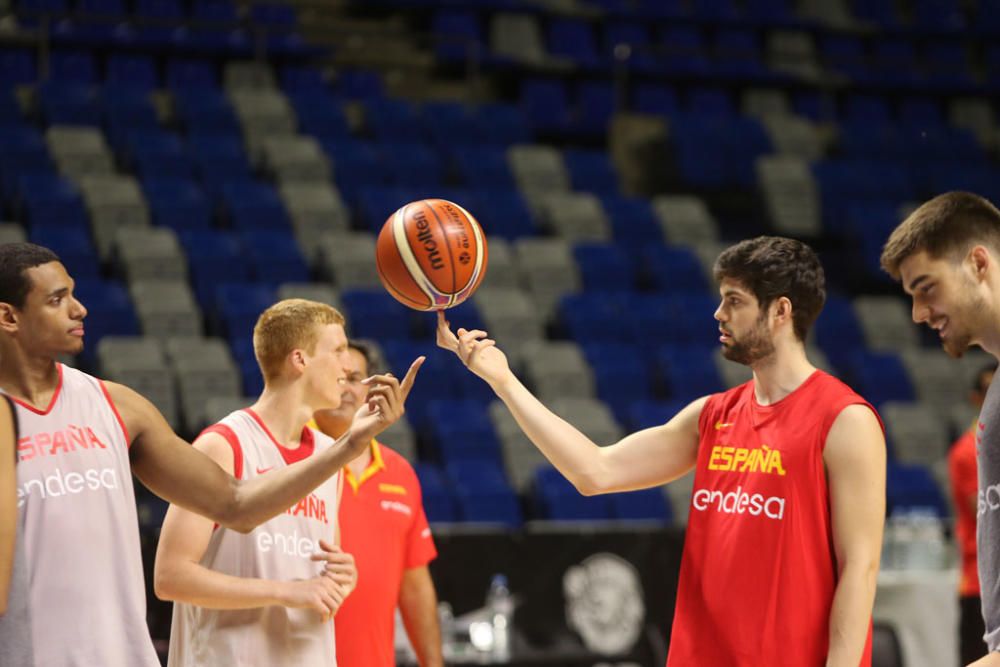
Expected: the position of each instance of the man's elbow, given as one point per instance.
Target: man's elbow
(232, 513)
(164, 583)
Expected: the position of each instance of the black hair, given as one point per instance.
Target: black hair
(373, 361)
(15, 260)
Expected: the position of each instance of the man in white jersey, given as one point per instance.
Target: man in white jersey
(82, 440)
(262, 598)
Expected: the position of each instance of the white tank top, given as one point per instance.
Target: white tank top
(81, 533)
(278, 549)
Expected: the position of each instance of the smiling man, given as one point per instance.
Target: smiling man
(945, 255)
(785, 524)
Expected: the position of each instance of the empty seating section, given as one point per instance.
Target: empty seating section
(188, 185)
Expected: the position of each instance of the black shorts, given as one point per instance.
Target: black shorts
(971, 629)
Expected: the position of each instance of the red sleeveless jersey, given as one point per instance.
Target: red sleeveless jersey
(759, 571)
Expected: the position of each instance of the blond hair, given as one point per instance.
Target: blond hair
(288, 325)
(952, 222)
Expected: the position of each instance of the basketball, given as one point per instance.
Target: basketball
(431, 254)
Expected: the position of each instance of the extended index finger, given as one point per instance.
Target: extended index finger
(411, 376)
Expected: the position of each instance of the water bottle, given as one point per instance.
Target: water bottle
(501, 606)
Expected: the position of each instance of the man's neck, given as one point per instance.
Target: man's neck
(360, 464)
(782, 373)
(31, 379)
(284, 413)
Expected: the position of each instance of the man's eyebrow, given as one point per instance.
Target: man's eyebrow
(915, 283)
(62, 291)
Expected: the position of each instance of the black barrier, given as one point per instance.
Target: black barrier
(588, 594)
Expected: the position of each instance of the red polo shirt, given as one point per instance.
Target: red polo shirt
(962, 469)
(384, 527)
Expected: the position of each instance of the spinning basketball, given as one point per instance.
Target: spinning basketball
(431, 254)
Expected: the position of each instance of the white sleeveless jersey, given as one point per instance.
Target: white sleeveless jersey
(278, 549)
(81, 533)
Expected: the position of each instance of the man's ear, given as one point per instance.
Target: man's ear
(9, 318)
(781, 309)
(980, 260)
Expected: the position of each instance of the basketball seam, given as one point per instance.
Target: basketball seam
(480, 236)
(409, 258)
(451, 257)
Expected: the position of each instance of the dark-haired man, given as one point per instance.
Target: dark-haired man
(82, 440)
(384, 527)
(785, 525)
(945, 255)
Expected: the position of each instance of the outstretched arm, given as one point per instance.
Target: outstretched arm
(184, 476)
(8, 501)
(179, 576)
(855, 464)
(647, 458)
(418, 607)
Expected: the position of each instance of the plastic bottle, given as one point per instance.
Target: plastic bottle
(501, 606)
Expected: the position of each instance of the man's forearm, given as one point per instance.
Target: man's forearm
(851, 613)
(418, 606)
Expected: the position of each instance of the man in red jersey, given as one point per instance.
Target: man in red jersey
(962, 471)
(82, 440)
(384, 527)
(785, 526)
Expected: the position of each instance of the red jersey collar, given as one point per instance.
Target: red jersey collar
(307, 442)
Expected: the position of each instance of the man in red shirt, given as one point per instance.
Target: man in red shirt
(962, 470)
(785, 525)
(383, 525)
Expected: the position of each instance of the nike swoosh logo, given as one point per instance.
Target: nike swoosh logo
(261, 471)
(719, 425)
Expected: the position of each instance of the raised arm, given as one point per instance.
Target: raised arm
(179, 576)
(8, 500)
(855, 464)
(185, 476)
(646, 458)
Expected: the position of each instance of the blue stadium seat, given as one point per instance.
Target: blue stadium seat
(911, 487)
(275, 257)
(867, 109)
(273, 15)
(254, 206)
(413, 165)
(879, 377)
(356, 164)
(505, 213)
(72, 67)
(393, 120)
(449, 123)
(656, 99)
(502, 124)
(109, 313)
(17, 67)
(187, 74)
(359, 84)
(838, 331)
(159, 9)
(158, 154)
(632, 38)
(238, 305)
(376, 315)
(940, 15)
(921, 112)
(595, 106)
(303, 80)
(483, 166)
(771, 12)
(456, 33)
(242, 349)
(483, 494)
(461, 431)
(557, 499)
(319, 114)
(592, 318)
(177, 203)
(604, 268)
(546, 105)
(692, 318)
(880, 12)
(633, 222)
(591, 171)
(738, 54)
(205, 111)
(644, 505)
(688, 371)
(74, 247)
(685, 51)
(219, 159)
(42, 6)
(716, 10)
(671, 270)
(129, 112)
(69, 104)
(573, 39)
(622, 373)
(214, 11)
(51, 200)
(128, 71)
(106, 8)
(649, 413)
(439, 505)
(214, 257)
(846, 55)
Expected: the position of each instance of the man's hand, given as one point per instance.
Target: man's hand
(989, 660)
(384, 405)
(338, 565)
(478, 352)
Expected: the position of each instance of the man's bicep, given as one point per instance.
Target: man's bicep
(855, 459)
